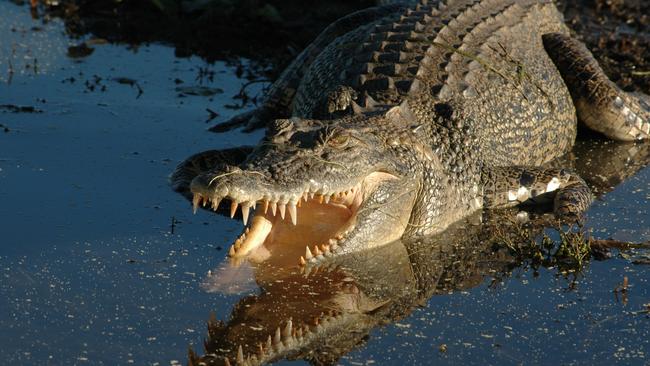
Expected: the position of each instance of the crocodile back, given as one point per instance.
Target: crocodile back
(473, 68)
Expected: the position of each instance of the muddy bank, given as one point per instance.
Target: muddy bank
(273, 32)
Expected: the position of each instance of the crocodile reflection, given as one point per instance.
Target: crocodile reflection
(318, 314)
(321, 313)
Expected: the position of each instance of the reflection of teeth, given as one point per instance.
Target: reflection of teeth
(285, 336)
(277, 338)
(286, 332)
(240, 355)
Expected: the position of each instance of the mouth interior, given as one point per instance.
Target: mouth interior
(311, 225)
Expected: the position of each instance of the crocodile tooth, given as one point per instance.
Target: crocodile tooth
(215, 204)
(269, 344)
(293, 213)
(277, 338)
(327, 198)
(233, 208)
(317, 251)
(195, 202)
(205, 201)
(320, 198)
(274, 207)
(266, 206)
(286, 332)
(325, 248)
(311, 195)
(308, 254)
(260, 350)
(240, 355)
(282, 208)
(245, 209)
(302, 261)
(299, 333)
(232, 251)
(226, 361)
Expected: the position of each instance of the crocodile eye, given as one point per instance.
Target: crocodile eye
(338, 141)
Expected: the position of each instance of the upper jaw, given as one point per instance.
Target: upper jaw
(248, 190)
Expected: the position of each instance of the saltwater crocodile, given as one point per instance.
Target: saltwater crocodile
(398, 121)
(320, 313)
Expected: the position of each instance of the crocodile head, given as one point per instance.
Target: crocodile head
(333, 186)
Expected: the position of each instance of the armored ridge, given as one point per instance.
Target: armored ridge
(397, 122)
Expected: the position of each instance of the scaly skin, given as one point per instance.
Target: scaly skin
(410, 119)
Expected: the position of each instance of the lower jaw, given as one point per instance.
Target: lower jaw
(320, 226)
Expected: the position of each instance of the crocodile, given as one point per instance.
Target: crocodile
(400, 120)
(320, 313)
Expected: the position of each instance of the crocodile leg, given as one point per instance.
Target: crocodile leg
(600, 104)
(277, 103)
(512, 186)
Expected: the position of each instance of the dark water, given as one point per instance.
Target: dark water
(94, 272)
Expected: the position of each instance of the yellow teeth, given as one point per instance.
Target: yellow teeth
(292, 203)
(293, 213)
(283, 209)
(233, 209)
(195, 202)
(245, 209)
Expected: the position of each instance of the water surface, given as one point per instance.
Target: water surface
(102, 263)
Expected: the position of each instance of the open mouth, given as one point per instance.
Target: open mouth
(317, 219)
